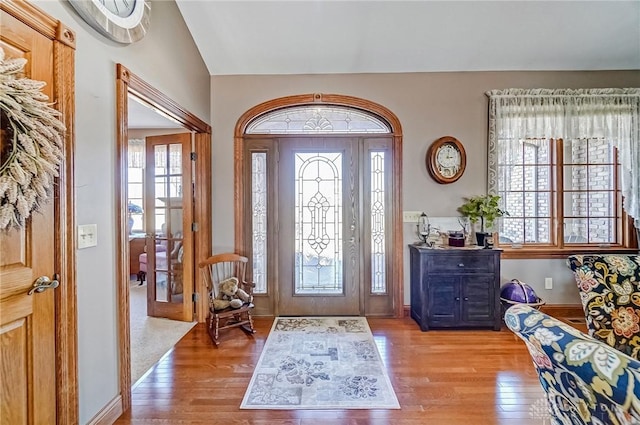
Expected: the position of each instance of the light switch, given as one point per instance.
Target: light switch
(87, 235)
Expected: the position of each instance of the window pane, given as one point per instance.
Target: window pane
(575, 177)
(602, 230)
(525, 185)
(588, 151)
(135, 175)
(590, 201)
(601, 204)
(575, 230)
(512, 230)
(135, 192)
(161, 189)
(378, 258)
(575, 204)
(600, 177)
(259, 220)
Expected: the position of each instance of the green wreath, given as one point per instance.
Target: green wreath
(32, 141)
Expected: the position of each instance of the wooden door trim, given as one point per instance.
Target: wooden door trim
(66, 321)
(240, 188)
(127, 82)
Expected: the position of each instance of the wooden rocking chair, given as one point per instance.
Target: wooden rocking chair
(216, 269)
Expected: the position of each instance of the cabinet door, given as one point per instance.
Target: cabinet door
(478, 295)
(443, 301)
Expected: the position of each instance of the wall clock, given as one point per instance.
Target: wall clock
(446, 160)
(124, 21)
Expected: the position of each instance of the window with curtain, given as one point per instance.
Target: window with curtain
(566, 165)
(135, 185)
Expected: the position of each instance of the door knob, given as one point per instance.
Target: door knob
(43, 283)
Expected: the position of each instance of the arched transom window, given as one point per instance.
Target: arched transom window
(317, 119)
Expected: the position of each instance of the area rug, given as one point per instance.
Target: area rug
(320, 363)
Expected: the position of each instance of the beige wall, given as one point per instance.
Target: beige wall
(429, 105)
(168, 59)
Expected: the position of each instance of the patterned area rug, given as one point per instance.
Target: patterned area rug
(320, 363)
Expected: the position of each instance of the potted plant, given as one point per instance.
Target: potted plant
(484, 208)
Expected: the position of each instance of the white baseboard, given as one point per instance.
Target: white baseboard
(109, 413)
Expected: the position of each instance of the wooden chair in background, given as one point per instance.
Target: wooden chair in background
(216, 269)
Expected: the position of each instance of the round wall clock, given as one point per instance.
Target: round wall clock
(446, 160)
(124, 21)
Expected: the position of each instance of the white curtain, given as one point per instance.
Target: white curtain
(612, 114)
(136, 153)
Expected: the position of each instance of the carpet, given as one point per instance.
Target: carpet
(151, 337)
(320, 363)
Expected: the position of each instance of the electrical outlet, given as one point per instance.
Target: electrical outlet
(87, 235)
(548, 283)
(411, 216)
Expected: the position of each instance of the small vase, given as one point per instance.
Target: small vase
(130, 224)
(480, 237)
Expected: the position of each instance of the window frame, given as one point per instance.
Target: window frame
(558, 248)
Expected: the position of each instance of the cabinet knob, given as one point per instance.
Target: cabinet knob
(466, 298)
(457, 298)
(461, 265)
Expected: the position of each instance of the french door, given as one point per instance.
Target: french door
(321, 227)
(168, 214)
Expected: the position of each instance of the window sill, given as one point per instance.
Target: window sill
(559, 253)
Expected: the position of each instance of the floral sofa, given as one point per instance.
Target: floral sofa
(610, 292)
(586, 381)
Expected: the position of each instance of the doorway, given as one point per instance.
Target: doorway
(319, 214)
(199, 217)
(157, 249)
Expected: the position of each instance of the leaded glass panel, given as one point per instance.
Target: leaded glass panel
(317, 119)
(259, 220)
(318, 223)
(378, 258)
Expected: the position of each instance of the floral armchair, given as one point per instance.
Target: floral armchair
(586, 380)
(610, 292)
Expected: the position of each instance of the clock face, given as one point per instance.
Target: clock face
(124, 21)
(121, 8)
(446, 160)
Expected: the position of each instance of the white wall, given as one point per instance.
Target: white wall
(167, 59)
(429, 106)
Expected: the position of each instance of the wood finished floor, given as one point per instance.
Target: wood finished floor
(440, 377)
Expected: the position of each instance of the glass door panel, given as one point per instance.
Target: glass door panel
(318, 223)
(169, 197)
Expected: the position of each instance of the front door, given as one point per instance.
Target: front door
(168, 214)
(318, 215)
(27, 320)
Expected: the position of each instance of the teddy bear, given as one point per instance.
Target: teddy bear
(229, 294)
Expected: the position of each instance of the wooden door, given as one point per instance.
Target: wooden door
(169, 216)
(318, 238)
(27, 321)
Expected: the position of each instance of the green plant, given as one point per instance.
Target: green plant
(484, 208)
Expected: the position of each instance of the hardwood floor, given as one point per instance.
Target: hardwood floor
(440, 377)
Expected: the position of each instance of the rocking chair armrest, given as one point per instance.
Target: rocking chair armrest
(250, 285)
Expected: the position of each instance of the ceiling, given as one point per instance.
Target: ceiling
(324, 36)
(367, 36)
(142, 116)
